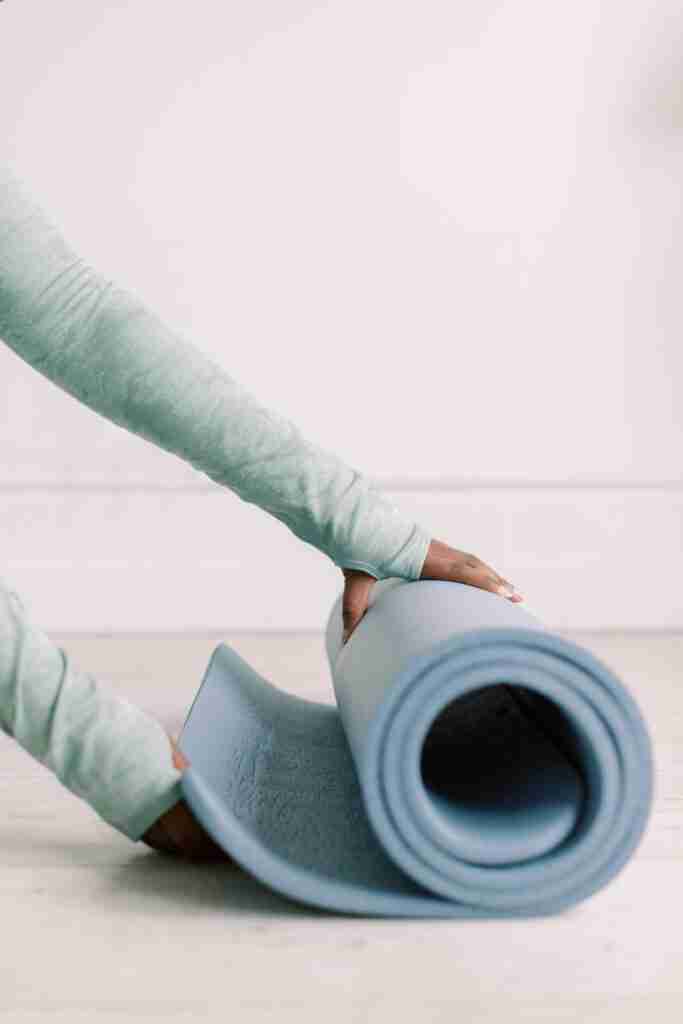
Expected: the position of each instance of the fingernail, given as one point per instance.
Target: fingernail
(506, 590)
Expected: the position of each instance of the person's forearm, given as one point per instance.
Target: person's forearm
(102, 345)
(104, 749)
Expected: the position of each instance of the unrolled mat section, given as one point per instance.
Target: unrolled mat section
(476, 764)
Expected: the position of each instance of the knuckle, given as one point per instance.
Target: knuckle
(464, 568)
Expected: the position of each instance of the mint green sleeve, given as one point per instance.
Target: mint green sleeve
(102, 345)
(99, 745)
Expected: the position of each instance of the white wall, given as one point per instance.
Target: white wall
(444, 237)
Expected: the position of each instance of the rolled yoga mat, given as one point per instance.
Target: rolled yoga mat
(476, 764)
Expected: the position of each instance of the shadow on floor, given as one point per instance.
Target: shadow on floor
(224, 888)
(122, 876)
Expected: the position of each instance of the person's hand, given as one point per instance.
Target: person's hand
(442, 563)
(178, 831)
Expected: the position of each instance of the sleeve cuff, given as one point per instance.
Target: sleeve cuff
(151, 810)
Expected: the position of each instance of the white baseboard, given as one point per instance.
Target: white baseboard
(585, 558)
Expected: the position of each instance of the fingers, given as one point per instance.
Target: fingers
(179, 760)
(177, 831)
(442, 563)
(355, 600)
(478, 574)
(190, 839)
(446, 563)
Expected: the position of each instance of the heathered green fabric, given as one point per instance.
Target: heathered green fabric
(101, 344)
(104, 749)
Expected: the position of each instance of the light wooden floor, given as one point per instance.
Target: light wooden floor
(96, 928)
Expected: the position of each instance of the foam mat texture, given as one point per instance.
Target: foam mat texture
(474, 763)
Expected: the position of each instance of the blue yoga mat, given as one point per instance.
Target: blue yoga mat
(475, 765)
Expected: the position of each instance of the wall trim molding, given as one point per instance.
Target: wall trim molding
(409, 485)
(200, 558)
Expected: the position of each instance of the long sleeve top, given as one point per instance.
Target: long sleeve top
(102, 345)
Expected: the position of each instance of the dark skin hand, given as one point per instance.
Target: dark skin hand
(442, 563)
(177, 831)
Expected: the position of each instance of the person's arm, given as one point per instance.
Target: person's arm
(101, 344)
(99, 745)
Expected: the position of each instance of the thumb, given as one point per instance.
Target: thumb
(179, 760)
(355, 600)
